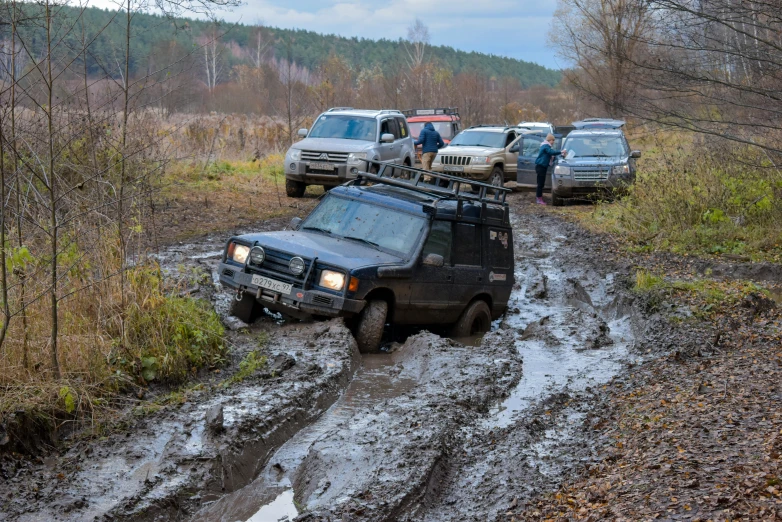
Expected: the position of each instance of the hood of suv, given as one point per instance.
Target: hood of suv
(590, 161)
(344, 253)
(333, 145)
(469, 150)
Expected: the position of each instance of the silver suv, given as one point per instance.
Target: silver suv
(340, 143)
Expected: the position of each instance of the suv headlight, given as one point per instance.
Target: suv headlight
(354, 158)
(561, 171)
(621, 169)
(294, 154)
(332, 280)
(238, 252)
(480, 160)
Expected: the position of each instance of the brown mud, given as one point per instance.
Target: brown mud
(432, 429)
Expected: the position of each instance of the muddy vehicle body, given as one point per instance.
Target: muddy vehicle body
(446, 121)
(342, 141)
(485, 153)
(599, 161)
(401, 251)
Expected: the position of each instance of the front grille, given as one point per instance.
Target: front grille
(322, 300)
(275, 265)
(324, 157)
(455, 160)
(591, 174)
(228, 273)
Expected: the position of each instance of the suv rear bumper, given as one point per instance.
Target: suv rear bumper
(301, 304)
(299, 171)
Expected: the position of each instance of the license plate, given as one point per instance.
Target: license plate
(452, 168)
(272, 284)
(322, 166)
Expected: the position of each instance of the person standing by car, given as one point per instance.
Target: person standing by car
(430, 142)
(544, 159)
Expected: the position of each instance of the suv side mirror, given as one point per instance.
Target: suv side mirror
(635, 154)
(295, 223)
(303, 133)
(514, 148)
(387, 138)
(435, 260)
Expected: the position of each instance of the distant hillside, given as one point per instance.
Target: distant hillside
(308, 49)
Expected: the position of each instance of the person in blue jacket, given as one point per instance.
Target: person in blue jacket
(430, 141)
(544, 159)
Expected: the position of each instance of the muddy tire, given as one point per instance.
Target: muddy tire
(294, 189)
(368, 329)
(497, 177)
(475, 319)
(556, 200)
(248, 309)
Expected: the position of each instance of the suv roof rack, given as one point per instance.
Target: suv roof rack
(445, 187)
(498, 125)
(340, 109)
(452, 111)
(598, 123)
(390, 111)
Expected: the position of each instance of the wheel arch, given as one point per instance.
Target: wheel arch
(387, 295)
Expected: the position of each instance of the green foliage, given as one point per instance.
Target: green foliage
(167, 338)
(153, 33)
(645, 281)
(68, 398)
(251, 363)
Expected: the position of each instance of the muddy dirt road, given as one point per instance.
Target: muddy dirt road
(432, 429)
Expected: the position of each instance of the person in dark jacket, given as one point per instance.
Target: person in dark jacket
(430, 141)
(544, 159)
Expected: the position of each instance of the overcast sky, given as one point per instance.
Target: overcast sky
(514, 28)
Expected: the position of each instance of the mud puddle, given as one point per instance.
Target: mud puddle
(271, 496)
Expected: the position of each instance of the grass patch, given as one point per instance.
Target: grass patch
(689, 200)
(705, 297)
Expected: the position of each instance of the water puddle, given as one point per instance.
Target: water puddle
(270, 497)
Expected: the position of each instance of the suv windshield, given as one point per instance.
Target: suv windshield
(344, 127)
(480, 139)
(595, 146)
(366, 223)
(443, 127)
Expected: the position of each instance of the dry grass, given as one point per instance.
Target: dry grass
(691, 200)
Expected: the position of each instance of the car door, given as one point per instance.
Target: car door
(403, 140)
(528, 153)
(511, 159)
(431, 290)
(511, 156)
(468, 272)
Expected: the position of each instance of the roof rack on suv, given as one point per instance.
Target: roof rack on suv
(340, 109)
(431, 112)
(498, 125)
(598, 123)
(440, 186)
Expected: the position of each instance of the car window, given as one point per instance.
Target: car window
(599, 146)
(440, 240)
(385, 127)
(500, 253)
(403, 131)
(480, 139)
(510, 138)
(467, 248)
(344, 127)
(531, 146)
(394, 126)
(365, 223)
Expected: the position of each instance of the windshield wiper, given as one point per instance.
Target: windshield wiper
(362, 240)
(319, 229)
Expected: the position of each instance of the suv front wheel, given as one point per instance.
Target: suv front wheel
(368, 330)
(497, 177)
(476, 319)
(295, 189)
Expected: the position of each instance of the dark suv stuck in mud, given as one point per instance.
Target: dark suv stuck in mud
(403, 250)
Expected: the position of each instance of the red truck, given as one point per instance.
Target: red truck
(446, 121)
